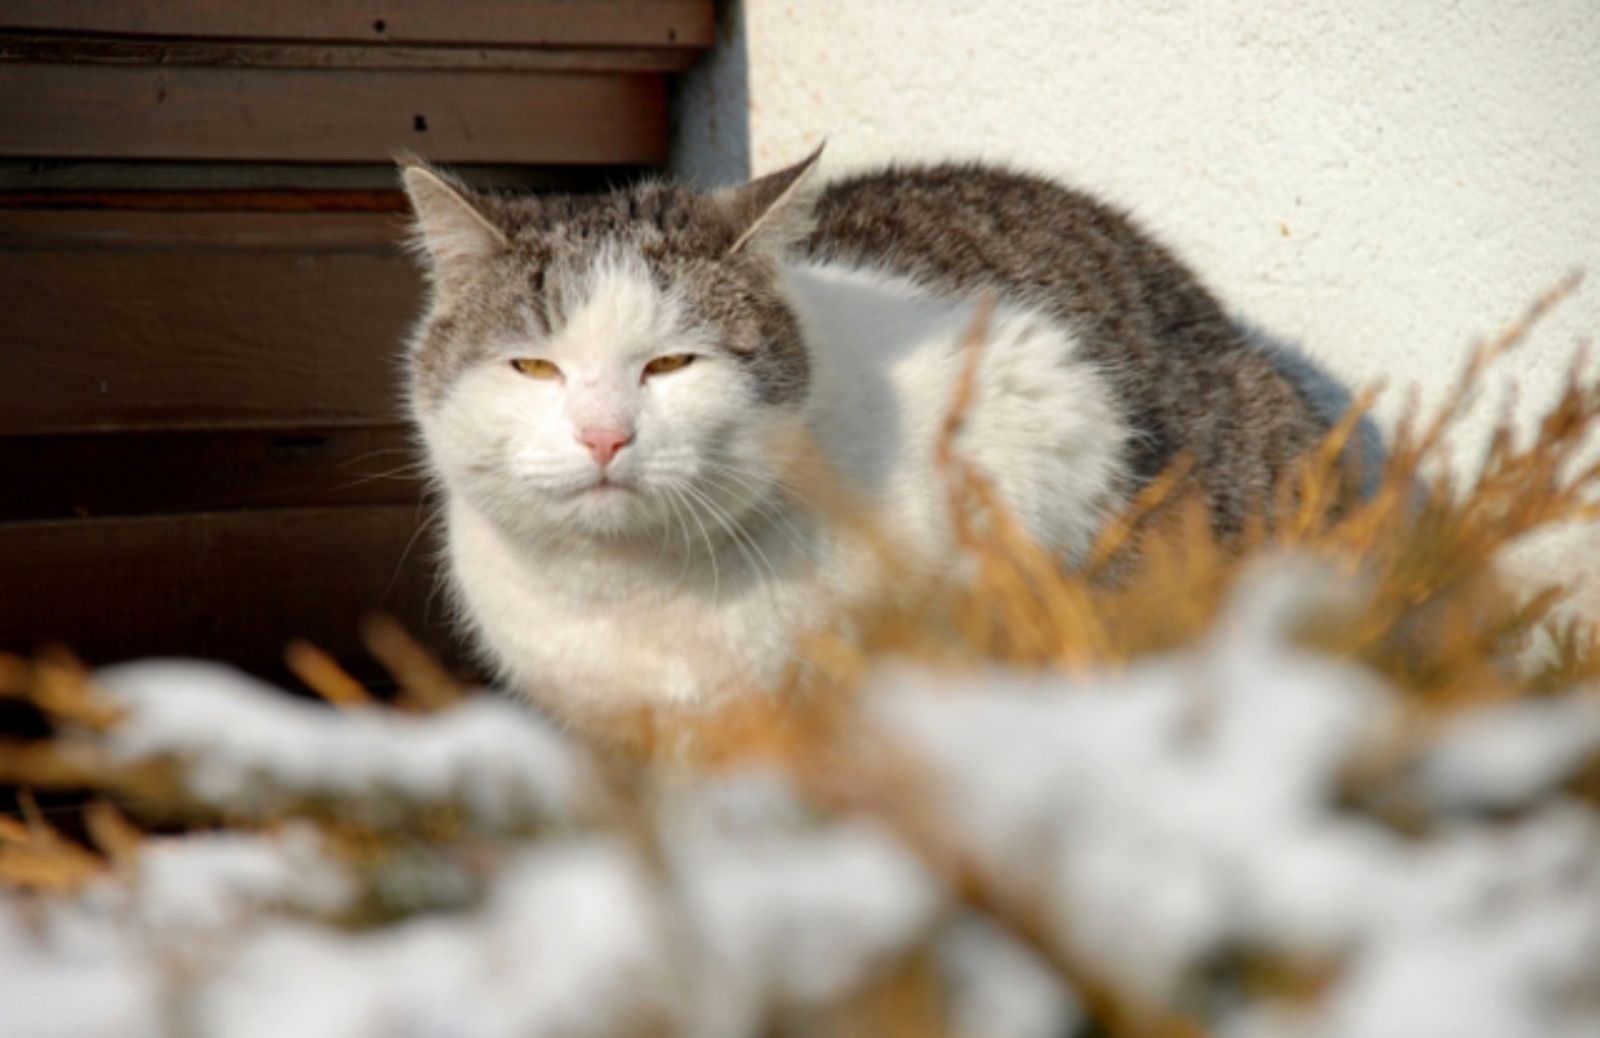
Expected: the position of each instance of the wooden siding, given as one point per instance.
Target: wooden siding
(236, 585)
(164, 472)
(190, 320)
(104, 111)
(689, 24)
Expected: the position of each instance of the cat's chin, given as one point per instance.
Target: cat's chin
(606, 513)
(610, 511)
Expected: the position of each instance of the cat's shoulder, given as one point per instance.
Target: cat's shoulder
(975, 197)
(961, 224)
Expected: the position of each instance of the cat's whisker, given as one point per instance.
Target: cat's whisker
(764, 506)
(737, 533)
(422, 526)
(671, 498)
(711, 549)
(765, 479)
(709, 506)
(439, 586)
(404, 472)
(757, 480)
(376, 452)
(787, 522)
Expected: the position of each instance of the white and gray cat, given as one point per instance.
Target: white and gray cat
(611, 388)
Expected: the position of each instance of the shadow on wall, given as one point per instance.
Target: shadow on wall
(711, 108)
(1328, 397)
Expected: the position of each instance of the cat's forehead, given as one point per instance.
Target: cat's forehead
(659, 222)
(651, 259)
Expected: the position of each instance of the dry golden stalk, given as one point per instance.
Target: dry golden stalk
(906, 1003)
(38, 829)
(50, 765)
(1323, 480)
(323, 675)
(966, 386)
(41, 858)
(1482, 357)
(1574, 659)
(1145, 504)
(14, 675)
(59, 685)
(424, 684)
(57, 870)
(12, 830)
(958, 475)
(113, 835)
(153, 788)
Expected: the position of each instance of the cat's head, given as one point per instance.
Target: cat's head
(608, 365)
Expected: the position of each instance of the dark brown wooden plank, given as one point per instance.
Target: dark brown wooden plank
(393, 201)
(597, 23)
(168, 472)
(69, 231)
(136, 112)
(23, 230)
(233, 586)
(197, 320)
(117, 50)
(93, 175)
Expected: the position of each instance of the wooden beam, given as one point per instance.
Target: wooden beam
(166, 472)
(146, 320)
(65, 175)
(390, 201)
(234, 586)
(120, 50)
(506, 23)
(34, 230)
(137, 112)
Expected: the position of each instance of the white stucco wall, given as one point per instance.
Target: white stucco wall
(1380, 180)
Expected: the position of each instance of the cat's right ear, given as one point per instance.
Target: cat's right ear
(774, 211)
(450, 228)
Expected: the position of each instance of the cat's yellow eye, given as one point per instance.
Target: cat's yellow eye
(671, 362)
(535, 367)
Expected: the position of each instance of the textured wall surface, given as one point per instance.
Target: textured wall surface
(1379, 181)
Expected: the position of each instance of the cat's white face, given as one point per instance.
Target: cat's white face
(627, 420)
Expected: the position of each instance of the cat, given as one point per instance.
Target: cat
(611, 390)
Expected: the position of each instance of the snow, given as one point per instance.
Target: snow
(1506, 754)
(1164, 818)
(791, 912)
(1499, 975)
(248, 746)
(998, 989)
(568, 943)
(105, 964)
(211, 881)
(573, 935)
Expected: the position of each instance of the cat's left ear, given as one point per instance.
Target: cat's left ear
(775, 211)
(451, 227)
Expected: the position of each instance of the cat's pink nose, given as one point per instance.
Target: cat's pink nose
(604, 444)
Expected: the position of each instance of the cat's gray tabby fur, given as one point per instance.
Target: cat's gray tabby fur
(607, 385)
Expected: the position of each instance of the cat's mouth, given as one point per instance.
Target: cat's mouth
(605, 486)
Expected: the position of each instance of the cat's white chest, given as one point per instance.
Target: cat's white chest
(575, 635)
